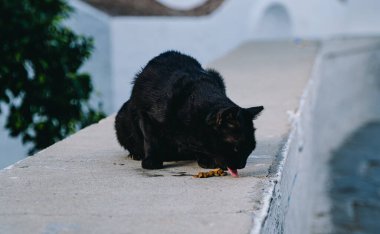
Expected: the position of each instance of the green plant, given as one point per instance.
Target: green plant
(40, 83)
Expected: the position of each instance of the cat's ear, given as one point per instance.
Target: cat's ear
(221, 116)
(255, 111)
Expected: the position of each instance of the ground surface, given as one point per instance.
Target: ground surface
(86, 184)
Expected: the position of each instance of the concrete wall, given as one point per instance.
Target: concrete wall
(328, 179)
(362, 17)
(319, 19)
(90, 22)
(353, 69)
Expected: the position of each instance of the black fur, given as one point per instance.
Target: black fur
(179, 111)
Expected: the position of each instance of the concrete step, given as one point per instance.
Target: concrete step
(86, 184)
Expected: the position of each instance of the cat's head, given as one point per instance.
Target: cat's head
(234, 135)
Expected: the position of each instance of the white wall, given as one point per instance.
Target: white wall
(309, 19)
(362, 17)
(90, 22)
(321, 19)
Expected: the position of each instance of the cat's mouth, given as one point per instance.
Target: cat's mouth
(233, 172)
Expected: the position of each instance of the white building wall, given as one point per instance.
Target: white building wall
(321, 19)
(362, 17)
(91, 22)
(309, 19)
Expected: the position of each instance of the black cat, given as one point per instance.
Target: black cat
(180, 111)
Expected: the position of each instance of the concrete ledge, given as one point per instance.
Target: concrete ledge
(85, 183)
(327, 181)
(88, 187)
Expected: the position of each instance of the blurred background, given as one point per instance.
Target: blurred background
(99, 45)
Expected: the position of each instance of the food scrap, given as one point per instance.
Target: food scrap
(215, 172)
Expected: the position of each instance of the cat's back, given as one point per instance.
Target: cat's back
(171, 82)
(173, 60)
(163, 67)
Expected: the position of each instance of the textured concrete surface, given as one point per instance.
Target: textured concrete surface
(328, 180)
(348, 132)
(85, 183)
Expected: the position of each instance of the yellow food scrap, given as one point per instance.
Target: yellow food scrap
(215, 172)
